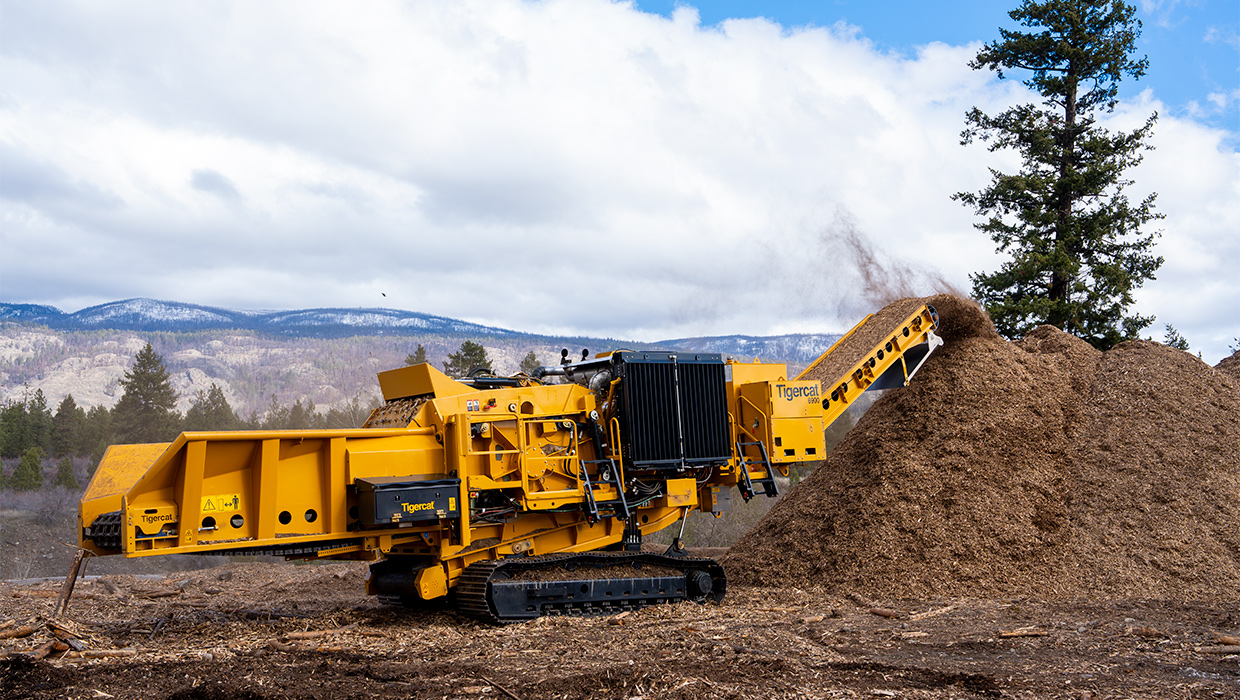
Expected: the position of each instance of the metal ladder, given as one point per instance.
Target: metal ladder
(621, 505)
(746, 483)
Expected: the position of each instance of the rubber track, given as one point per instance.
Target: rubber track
(473, 589)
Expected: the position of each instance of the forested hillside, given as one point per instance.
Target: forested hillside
(249, 367)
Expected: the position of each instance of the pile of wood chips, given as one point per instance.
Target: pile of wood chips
(1039, 467)
(1230, 366)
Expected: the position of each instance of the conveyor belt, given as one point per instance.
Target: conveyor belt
(883, 351)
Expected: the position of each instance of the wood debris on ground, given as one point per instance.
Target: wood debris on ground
(273, 623)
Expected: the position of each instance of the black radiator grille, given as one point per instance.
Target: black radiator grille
(669, 402)
(704, 406)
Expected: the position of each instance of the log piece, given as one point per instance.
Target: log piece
(41, 651)
(320, 633)
(23, 631)
(1022, 632)
(1221, 649)
(286, 648)
(108, 653)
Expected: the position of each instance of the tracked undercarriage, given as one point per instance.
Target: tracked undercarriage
(592, 583)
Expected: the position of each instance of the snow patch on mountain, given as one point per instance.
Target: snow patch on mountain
(150, 311)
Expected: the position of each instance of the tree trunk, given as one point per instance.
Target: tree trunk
(1063, 219)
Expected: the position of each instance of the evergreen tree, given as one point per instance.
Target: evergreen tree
(530, 363)
(353, 415)
(25, 424)
(146, 412)
(38, 423)
(29, 473)
(67, 427)
(1077, 245)
(96, 456)
(470, 357)
(96, 433)
(417, 357)
(1173, 339)
(13, 429)
(64, 474)
(301, 417)
(210, 410)
(276, 417)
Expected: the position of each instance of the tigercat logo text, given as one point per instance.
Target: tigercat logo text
(415, 507)
(152, 519)
(788, 393)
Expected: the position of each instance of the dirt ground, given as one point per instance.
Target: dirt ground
(238, 631)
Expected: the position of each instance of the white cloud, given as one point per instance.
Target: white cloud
(1225, 35)
(1164, 11)
(556, 166)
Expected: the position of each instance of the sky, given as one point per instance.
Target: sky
(637, 171)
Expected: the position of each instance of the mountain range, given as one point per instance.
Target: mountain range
(327, 356)
(156, 315)
(151, 315)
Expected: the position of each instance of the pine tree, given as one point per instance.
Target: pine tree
(64, 474)
(38, 422)
(1077, 245)
(470, 357)
(352, 415)
(29, 473)
(97, 432)
(417, 357)
(276, 417)
(13, 429)
(210, 410)
(1173, 339)
(301, 417)
(530, 363)
(96, 456)
(67, 427)
(146, 412)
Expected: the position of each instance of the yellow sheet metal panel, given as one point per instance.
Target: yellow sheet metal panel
(419, 380)
(681, 492)
(121, 467)
(796, 439)
(753, 409)
(152, 521)
(745, 372)
(432, 582)
(426, 461)
(795, 399)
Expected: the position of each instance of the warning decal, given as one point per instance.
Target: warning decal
(220, 503)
